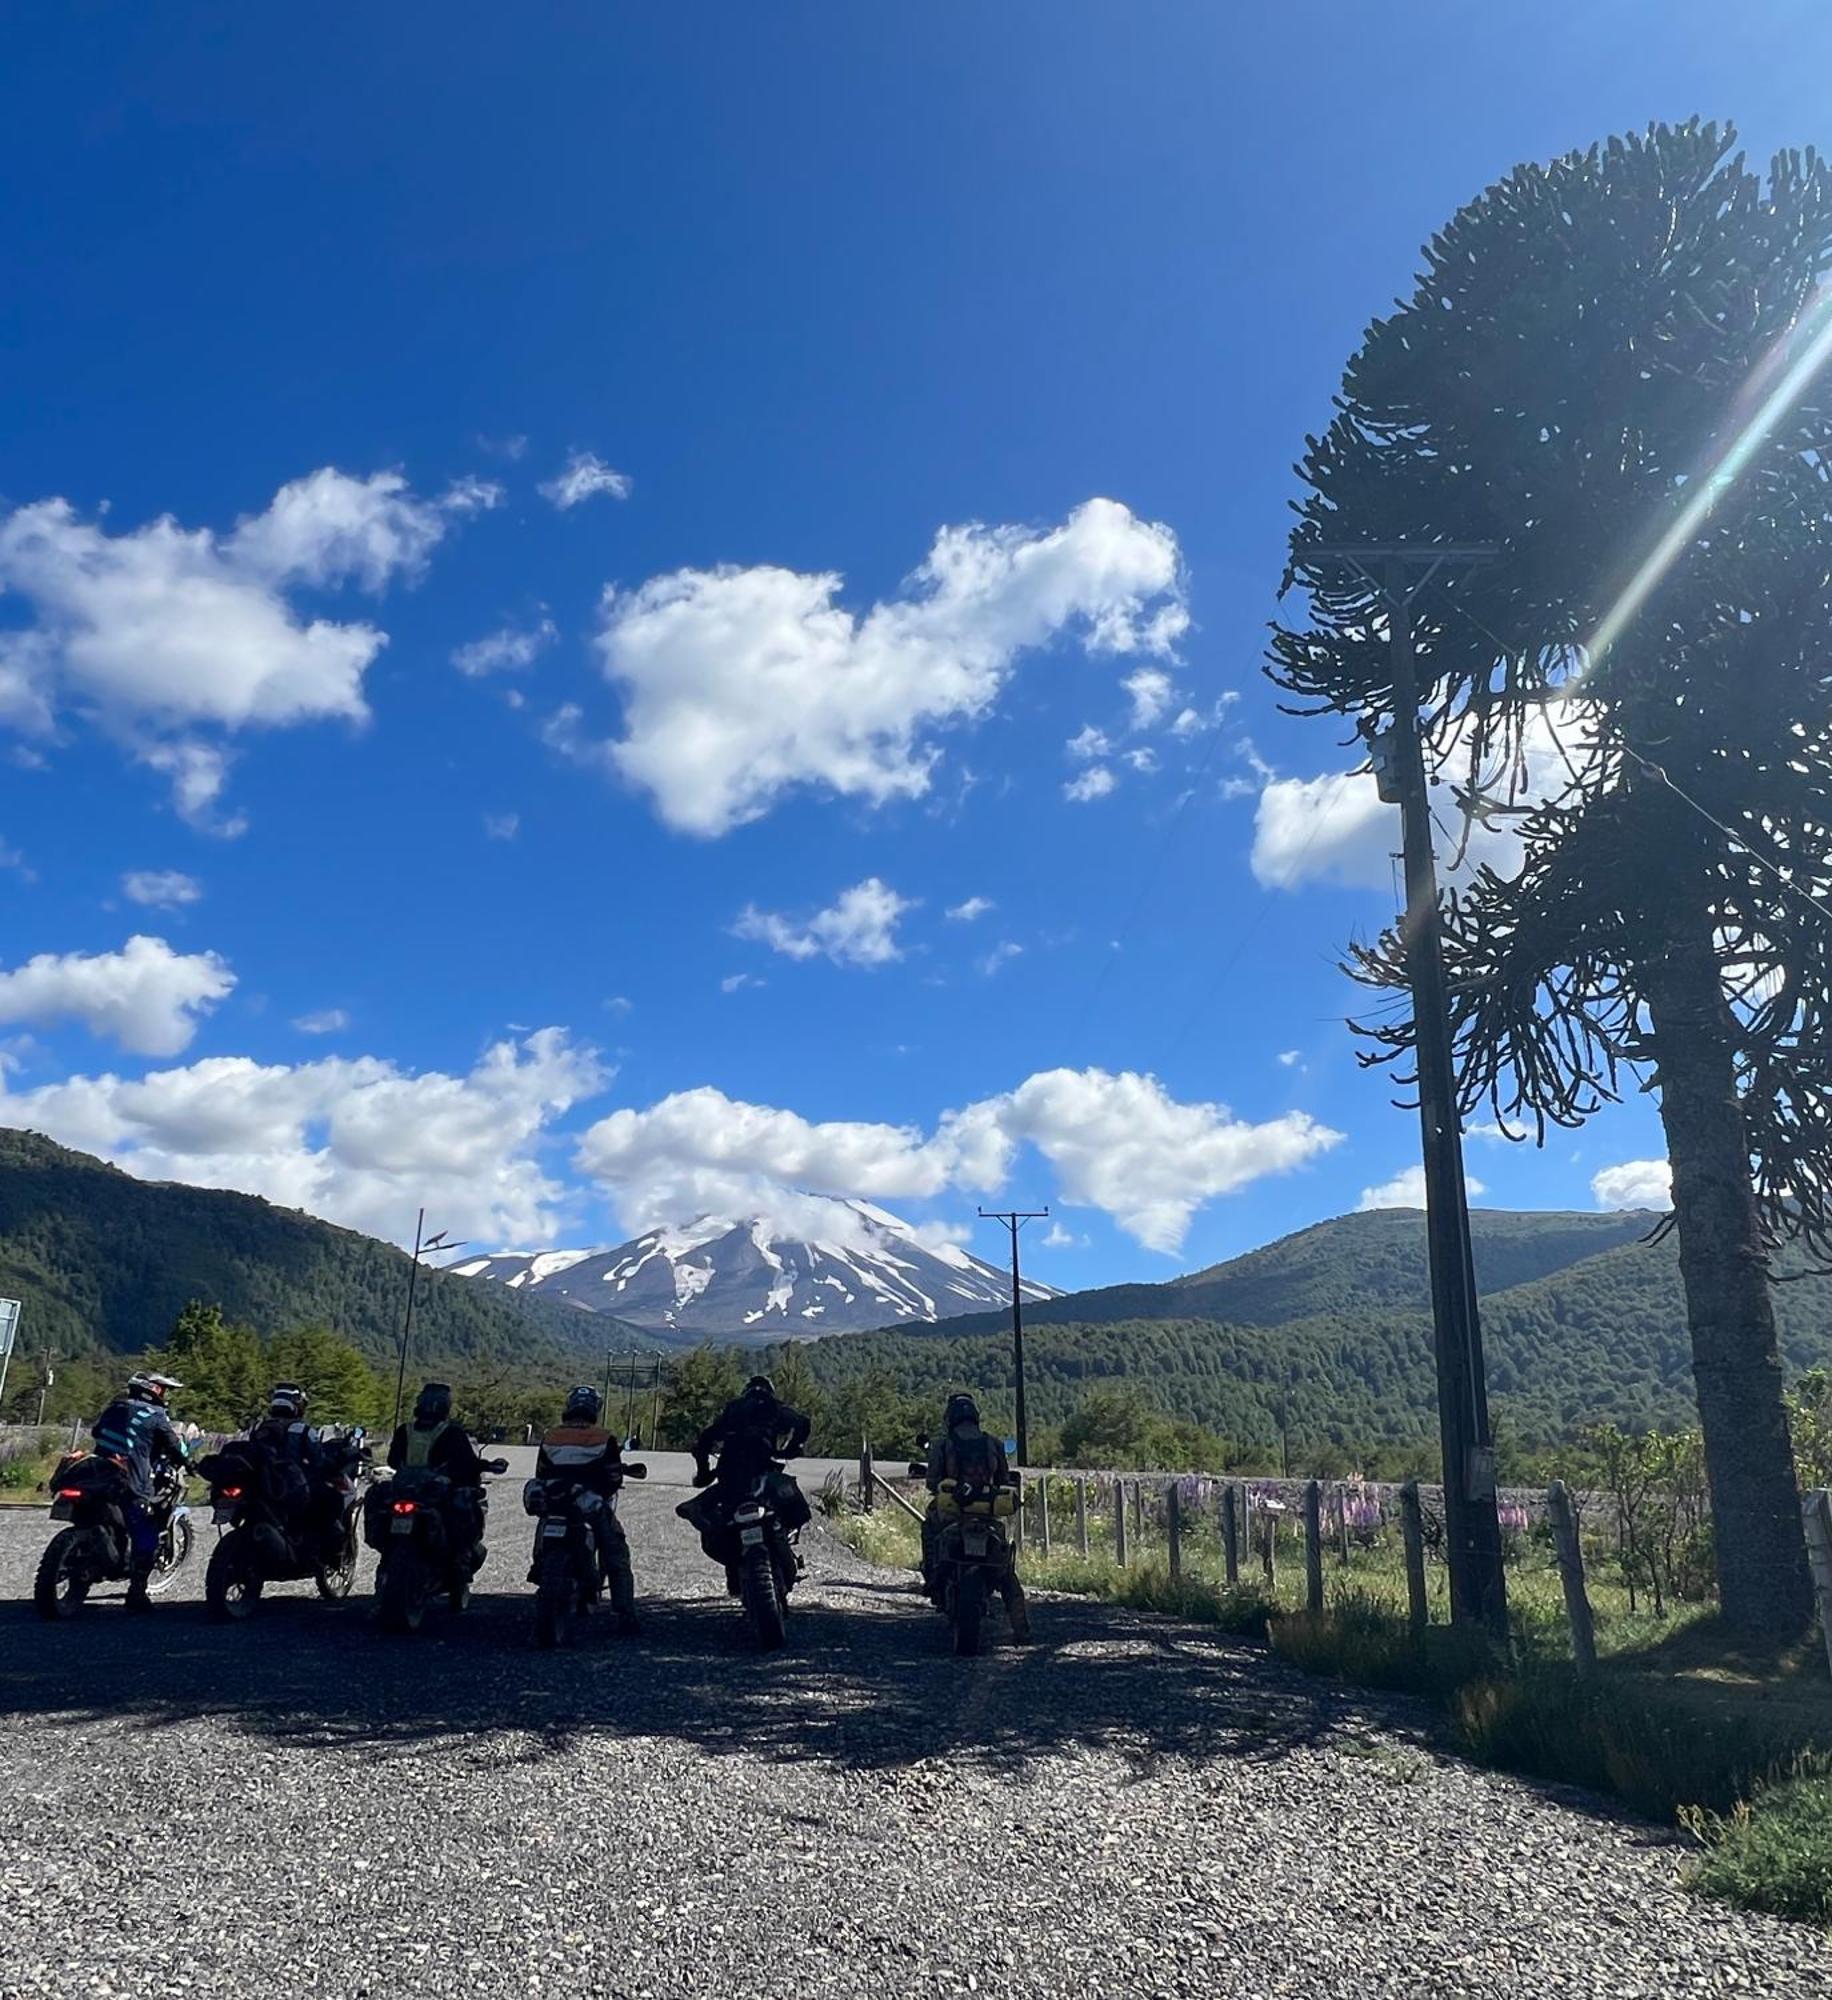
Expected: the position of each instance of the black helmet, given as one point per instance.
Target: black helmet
(962, 1409)
(760, 1385)
(288, 1402)
(433, 1404)
(582, 1405)
(149, 1388)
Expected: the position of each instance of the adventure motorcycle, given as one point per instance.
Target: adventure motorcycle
(972, 1552)
(282, 1524)
(428, 1532)
(92, 1493)
(751, 1526)
(565, 1570)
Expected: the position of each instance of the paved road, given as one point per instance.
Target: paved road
(1131, 1807)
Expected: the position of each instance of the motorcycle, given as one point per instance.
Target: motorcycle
(566, 1574)
(278, 1530)
(92, 1494)
(751, 1525)
(972, 1551)
(429, 1535)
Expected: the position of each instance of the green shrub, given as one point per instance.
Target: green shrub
(1773, 1853)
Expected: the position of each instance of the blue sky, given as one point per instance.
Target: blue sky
(649, 910)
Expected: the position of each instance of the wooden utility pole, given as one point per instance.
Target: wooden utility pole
(1014, 1219)
(1472, 1529)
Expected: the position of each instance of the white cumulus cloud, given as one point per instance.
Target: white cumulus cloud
(740, 685)
(1119, 1143)
(505, 651)
(145, 996)
(1151, 694)
(358, 1141)
(584, 477)
(1634, 1184)
(860, 928)
(160, 888)
(972, 909)
(163, 632)
(1407, 1190)
(1096, 782)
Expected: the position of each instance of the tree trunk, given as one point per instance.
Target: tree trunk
(1749, 1460)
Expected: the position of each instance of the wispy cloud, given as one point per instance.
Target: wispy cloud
(585, 476)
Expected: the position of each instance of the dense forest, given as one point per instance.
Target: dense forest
(102, 1262)
(1588, 1325)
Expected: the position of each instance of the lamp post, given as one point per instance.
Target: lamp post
(423, 1246)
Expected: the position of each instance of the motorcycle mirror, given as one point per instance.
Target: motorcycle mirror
(636, 1470)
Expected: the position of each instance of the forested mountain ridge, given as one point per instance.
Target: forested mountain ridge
(1598, 1336)
(1352, 1263)
(103, 1262)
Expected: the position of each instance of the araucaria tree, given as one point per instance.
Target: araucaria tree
(1610, 373)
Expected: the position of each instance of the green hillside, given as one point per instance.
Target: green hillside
(1592, 1327)
(101, 1261)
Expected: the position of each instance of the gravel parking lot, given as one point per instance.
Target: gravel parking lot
(1129, 1807)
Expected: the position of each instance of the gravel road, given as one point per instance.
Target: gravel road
(1130, 1807)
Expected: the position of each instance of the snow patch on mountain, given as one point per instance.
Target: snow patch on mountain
(839, 1267)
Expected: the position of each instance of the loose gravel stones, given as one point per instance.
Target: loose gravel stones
(1130, 1807)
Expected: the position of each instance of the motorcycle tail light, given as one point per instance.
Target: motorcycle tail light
(406, 1506)
(69, 1492)
(232, 1492)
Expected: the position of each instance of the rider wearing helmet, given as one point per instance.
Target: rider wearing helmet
(431, 1441)
(965, 1451)
(135, 1430)
(750, 1434)
(752, 1429)
(290, 1447)
(579, 1448)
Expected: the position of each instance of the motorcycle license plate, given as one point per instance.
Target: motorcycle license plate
(402, 1524)
(750, 1537)
(976, 1541)
(553, 1531)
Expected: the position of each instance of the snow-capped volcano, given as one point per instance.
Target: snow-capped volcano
(851, 1267)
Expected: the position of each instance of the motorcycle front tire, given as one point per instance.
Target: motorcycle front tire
(336, 1580)
(178, 1540)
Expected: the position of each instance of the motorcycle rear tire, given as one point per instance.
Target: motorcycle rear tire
(969, 1611)
(762, 1603)
(63, 1578)
(232, 1586)
(552, 1616)
(402, 1590)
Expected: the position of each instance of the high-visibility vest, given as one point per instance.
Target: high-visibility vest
(419, 1453)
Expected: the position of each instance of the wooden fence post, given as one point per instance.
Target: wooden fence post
(1816, 1511)
(1571, 1572)
(1173, 1524)
(1313, 1545)
(1043, 1511)
(1246, 1519)
(1412, 1533)
(1269, 1554)
(1119, 1522)
(1081, 1516)
(1342, 1521)
(1230, 1533)
(1138, 1514)
(868, 1498)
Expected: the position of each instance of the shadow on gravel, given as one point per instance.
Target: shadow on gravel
(866, 1686)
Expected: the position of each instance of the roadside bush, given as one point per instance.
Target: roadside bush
(1773, 1853)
